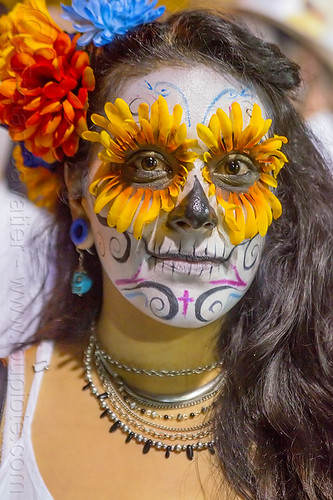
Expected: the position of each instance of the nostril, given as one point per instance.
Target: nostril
(182, 224)
(209, 225)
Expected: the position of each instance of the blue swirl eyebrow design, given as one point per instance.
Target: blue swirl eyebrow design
(230, 93)
(164, 89)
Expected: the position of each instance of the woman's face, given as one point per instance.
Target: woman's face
(184, 271)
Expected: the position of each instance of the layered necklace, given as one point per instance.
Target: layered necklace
(153, 420)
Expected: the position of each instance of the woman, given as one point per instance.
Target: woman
(209, 340)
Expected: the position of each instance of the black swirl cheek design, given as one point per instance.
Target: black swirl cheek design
(251, 253)
(120, 250)
(102, 220)
(215, 307)
(164, 305)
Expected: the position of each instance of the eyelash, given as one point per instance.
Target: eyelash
(154, 169)
(235, 181)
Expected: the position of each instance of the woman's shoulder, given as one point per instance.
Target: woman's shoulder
(21, 365)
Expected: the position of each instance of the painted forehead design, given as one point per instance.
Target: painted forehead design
(151, 90)
(147, 162)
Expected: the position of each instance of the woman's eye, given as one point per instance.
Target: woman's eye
(149, 163)
(235, 167)
(234, 171)
(147, 167)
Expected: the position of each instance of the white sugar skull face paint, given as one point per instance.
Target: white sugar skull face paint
(184, 271)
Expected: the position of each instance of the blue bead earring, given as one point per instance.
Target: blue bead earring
(78, 231)
(81, 281)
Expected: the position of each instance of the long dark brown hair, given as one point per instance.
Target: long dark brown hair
(274, 420)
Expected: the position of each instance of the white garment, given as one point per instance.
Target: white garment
(21, 272)
(20, 478)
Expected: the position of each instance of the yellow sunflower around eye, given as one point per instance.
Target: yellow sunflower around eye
(247, 200)
(147, 161)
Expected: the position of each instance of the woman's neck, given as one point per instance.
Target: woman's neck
(134, 339)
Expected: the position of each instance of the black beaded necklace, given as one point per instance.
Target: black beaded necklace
(136, 427)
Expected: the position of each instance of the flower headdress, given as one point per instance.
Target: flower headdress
(45, 80)
(101, 20)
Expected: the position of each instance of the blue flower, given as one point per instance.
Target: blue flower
(30, 160)
(101, 20)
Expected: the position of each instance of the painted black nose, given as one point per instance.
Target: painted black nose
(193, 212)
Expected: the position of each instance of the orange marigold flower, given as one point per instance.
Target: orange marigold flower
(42, 185)
(45, 98)
(27, 28)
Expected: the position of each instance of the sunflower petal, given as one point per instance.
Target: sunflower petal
(207, 157)
(271, 144)
(257, 136)
(180, 135)
(240, 220)
(251, 227)
(123, 109)
(176, 117)
(174, 190)
(143, 112)
(262, 210)
(154, 119)
(207, 136)
(100, 120)
(102, 185)
(187, 156)
(140, 218)
(166, 201)
(154, 208)
(165, 121)
(273, 201)
(226, 129)
(117, 206)
(214, 125)
(268, 179)
(236, 119)
(227, 205)
(105, 198)
(126, 216)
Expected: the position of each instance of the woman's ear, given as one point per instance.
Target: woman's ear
(77, 206)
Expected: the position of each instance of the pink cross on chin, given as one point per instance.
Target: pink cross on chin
(186, 299)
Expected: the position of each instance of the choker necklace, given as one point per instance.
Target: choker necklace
(194, 397)
(141, 423)
(154, 373)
